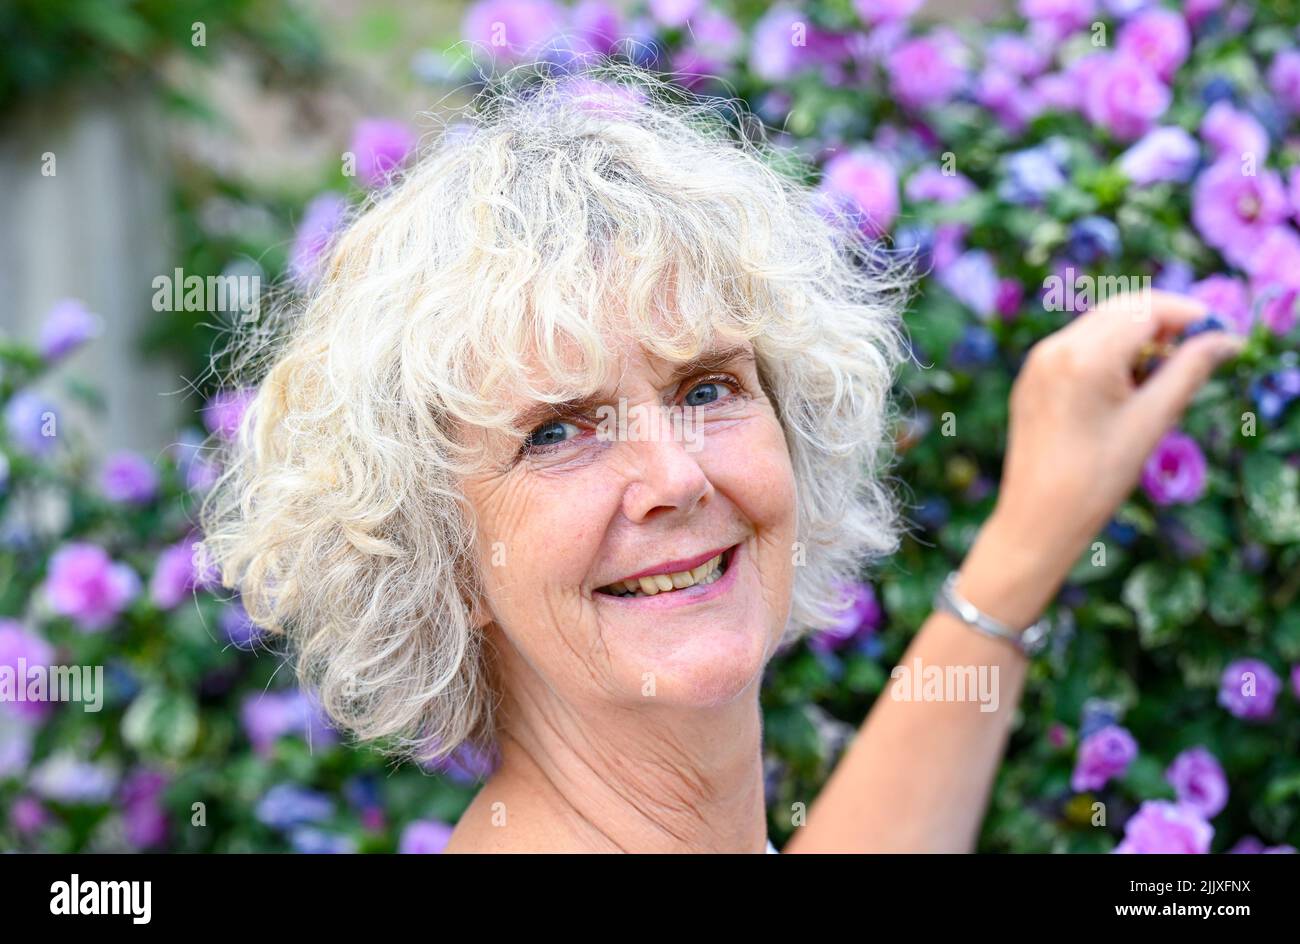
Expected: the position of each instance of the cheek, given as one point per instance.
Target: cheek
(751, 466)
(536, 540)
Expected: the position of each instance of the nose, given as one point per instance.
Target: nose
(665, 477)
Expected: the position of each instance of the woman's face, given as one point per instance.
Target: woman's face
(593, 501)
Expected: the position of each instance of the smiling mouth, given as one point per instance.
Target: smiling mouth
(708, 572)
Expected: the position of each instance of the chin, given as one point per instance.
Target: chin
(701, 651)
(708, 668)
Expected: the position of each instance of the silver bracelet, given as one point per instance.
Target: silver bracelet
(1030, 641)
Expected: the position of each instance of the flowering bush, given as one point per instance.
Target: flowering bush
(1027, 168)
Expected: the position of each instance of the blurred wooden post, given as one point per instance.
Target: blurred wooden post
(99, 230)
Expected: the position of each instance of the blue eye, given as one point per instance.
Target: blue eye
(711, 384)
(547, 435)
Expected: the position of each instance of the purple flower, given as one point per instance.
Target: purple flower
(1124, 96)
(241, 631)
(1122, 9)
(223, 413)
(931, 183)
(976, 347)
(32, 422)
(1249, 689)
(1233, 134)
(1017, 55)
(142, 812)
(1197, 11)
(286, 805)
(716, 35)
(595, 26)
(1174, 473)
(1234, 212)
(27, 816)
(1002, 93)
(16, 740)
(68, 325)
(1174, 275)
(200, 471)
(714, 41)
(128, 478)
(1284, 79)
(512, 30)
(1199, 781)
(1031, 175)
(948, 245)
(322, 219)
(1228, 297)
(673, 13)
(468, 764)
(927, 70)
(269, 716)
(1098, 713)
(65, 778)
(1277, 310)
(875, 12)
(1104, 754)
(1295, 680)
(380, 146)
(1092, 239)
(1011, 295)
(860, 617)
(1274, 268)
(17, 644)
(1059, 17)
(308, 840)
(1162, 154)
(864, 185)
(1161, 827)
(785, 43)
(178, 573)
(424, 837)
(85, 585)
(1158, 37)
(1251, 845)
(1057, 90)
(973, 280)
(311, 840)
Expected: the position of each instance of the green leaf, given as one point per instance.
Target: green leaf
(162, 722)
(1233, 595)
(1287, 635)
(1272, 490)
(864, 676)
(1164, 600)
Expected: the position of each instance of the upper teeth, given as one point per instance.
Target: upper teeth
(707, 572)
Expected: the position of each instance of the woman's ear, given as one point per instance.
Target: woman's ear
(479, 614)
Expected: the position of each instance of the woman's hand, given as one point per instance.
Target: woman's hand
(1080, 431)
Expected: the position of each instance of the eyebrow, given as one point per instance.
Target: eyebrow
(537, 413)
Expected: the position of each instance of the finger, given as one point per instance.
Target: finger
(1128, 322)
(1159, 403)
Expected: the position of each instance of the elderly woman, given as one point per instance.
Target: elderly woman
(586, 417)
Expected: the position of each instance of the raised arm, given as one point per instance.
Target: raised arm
(917, 776)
